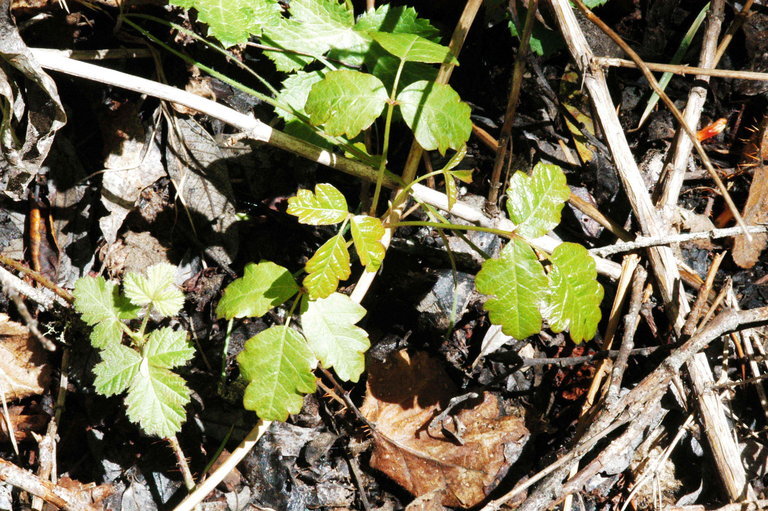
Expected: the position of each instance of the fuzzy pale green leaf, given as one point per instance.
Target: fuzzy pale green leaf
(436, 114)
(575, 294)
(295, 91)
(234, 21)
(168, 348)
(367, 232)
(346, 102)
(326, 206)
(327, 267)
(119, 365)
(263, 286)
(534, 202)
(157, 289)
(413, 48)
(156, 400)
(100, 303)
(518, 282)
(329, 326)
(278, 365)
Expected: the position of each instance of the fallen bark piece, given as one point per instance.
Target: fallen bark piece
(24, 370)
(403, 396)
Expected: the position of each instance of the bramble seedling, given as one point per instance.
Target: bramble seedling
(139, 360)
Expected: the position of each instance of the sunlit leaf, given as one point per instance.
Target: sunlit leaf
(367, 232)
(413, 48)
(534, 202)
(326, 206)
(119, 365)
(436, 114)
(295, 91)
(263, 286)
(157, 289)
(168, 348)
(156, 400)
(327, 267)
(103, 307)
(234, 21)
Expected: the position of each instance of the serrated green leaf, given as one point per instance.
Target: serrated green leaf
(534, 202)
(327, 206)
(114, 374)
(386, 18)
(367, 232)
(413, 48)
(329, 326)
(451, 190)
(156, 289)
(346, 102)
(518, 281)
(168, 348)
(574, 297)
(314, 28)
(436, 114)
(327, 267)
(234, 21)
(278, 364)
(295, 91)
(262, 287)
(156, 400)
(100, 303)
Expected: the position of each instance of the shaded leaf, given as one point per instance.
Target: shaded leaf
(575, 294)
(329, 326)
(534, 202)
(327, 267)
(346, 102)
(263, 286)
(327, 206)
(413, 48)
(157, 289)
(517, 280)
(367, 232)
(295, 91)
(278, 365)
(436, 114)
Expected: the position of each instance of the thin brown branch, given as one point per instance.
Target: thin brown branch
(682, 69)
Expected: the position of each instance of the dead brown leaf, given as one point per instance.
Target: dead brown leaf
(403, 395)
(24, 370)
(23, 423)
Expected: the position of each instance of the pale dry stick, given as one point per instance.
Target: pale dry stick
(628, 267)
(692, 321)
(259, 131)
(725, 450)
(671, 180)
(12, 284)
(411, 166)
(504, 145)
(672, 108)
(682, 69)
(669, 239)
(716, 303)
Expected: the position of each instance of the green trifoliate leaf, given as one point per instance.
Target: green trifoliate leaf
(329, 326)
(156, 289)
(262, 287)
(234, 21)
(346, 102)
(519, 283)
(168, 348)
(367, 232)
(327, 267)
(574, 293)
(327, 206)
(436, 114)
(295, 92)
(413, 48)
(534, 202)
(278, 364)
(100, 303)
(156, 400)
(119, 365)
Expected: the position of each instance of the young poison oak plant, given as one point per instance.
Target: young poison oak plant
(138, 358)
(278, 362)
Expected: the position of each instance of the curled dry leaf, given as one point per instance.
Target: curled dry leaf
(403, 395)
(24, 370)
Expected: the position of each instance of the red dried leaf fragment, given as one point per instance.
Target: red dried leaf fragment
(403, 395)
(712, 130)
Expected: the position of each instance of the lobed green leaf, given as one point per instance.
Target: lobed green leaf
(517, 280)
(327, 206)
(327, 267)
(534, 202)
(117, 369)
(263, 286)
(414, 48)
(157, 289)
(329, 326)
(295, 91)
(367, 232)
(278, 365)
(575, 294)
(346, 102)
(234, 21)
(436, 114)
(168, 348)
(156, 400)
(100, 303)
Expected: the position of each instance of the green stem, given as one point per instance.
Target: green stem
(387, 129)
(455, 227)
